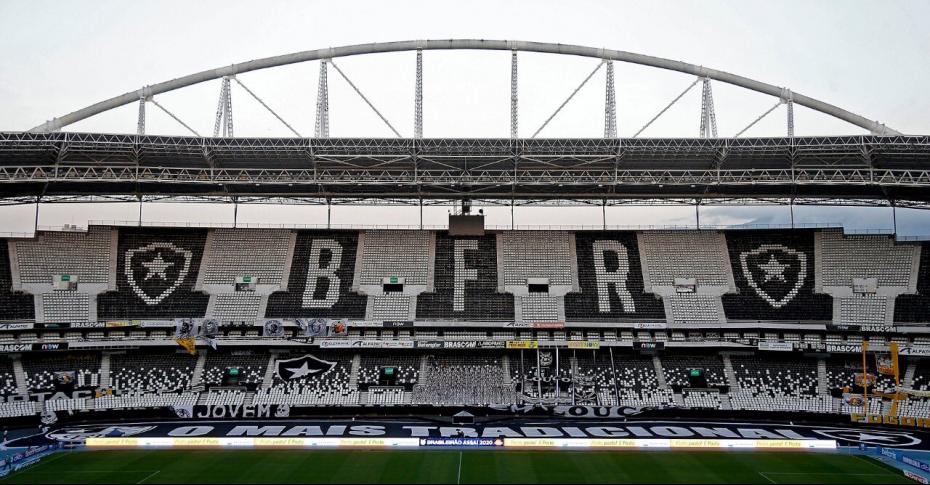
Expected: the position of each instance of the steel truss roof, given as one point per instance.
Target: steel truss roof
(833, 170)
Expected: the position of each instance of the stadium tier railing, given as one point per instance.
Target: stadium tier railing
(435, 227)
(495, 227)
(16, 235)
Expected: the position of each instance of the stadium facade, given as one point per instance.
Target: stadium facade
(133, 321)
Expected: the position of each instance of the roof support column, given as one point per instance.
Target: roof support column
(514, 120)
(708, 118)
(224, 117)
(894, 217)
(235, 201)
(321, 129)
(610, 104)
(418, 98)
(35, 225)
(140, 124)
(604, 214)
(697, 213)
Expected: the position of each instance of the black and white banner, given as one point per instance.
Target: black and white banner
(323, 327)
(233, 411)
(520, 428)
(185, 327)
(273, 328)
(36, 347)
(306, 366)
(578, 412)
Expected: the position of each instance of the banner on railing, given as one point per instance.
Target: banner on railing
(36, 347)
(122, 323)
(775, 346)
(365, 344)
(323, 327)
(522, 344)
(233, 411)
(905, 421)
(158, 324)
(272, 328)
(584, 344)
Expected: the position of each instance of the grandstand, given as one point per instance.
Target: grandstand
(412, 329)
(513, 317)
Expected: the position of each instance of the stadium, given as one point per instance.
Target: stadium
(465, 352)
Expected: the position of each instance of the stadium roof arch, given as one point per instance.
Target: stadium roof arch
(874, 127)
(882, 168)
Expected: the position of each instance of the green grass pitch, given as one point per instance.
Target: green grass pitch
(448, 466)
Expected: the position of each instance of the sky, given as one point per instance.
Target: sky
(865, 56)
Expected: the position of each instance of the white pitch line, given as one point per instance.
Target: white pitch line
(459, 479)
(766, 474)
(156, 472)
(58, 472)
(90, 471)
(767, 478)
(832, 473)
(871, 461)
(61, 454)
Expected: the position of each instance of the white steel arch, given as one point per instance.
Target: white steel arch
(873, 127)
